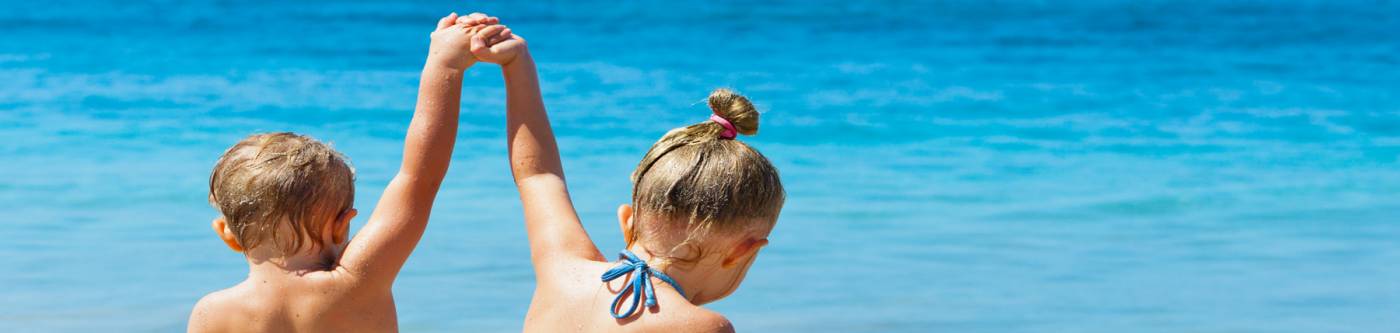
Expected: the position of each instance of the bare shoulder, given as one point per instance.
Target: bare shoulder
(571, 275)
(694, 319)
(706, 321)
(210, 314)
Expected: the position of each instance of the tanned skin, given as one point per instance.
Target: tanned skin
(568, 294)
(346, 287)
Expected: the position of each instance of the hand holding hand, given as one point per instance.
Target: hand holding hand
(496, 44)
(451, 41)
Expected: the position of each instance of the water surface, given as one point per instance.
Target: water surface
(966, 166)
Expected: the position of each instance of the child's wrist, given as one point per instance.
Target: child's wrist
(439, 63)
(521, 60)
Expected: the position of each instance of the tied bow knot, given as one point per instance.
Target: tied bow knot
(640, 284)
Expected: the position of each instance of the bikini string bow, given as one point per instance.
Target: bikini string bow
(641, 283)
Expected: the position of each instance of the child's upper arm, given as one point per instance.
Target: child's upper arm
(202, 319)
(380, 249)
(553, 226)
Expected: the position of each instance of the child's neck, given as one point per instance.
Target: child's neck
(695, 280)
(265, 261)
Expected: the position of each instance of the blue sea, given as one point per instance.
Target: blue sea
(958, 166)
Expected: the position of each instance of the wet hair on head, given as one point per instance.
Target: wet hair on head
(269, 183)
(695, 180)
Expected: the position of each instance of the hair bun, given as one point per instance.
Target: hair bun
(736, 109)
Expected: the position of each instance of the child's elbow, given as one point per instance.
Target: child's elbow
(526, 167)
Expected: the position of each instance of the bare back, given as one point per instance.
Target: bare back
(572, 298)
(315, 302)
(354, 295)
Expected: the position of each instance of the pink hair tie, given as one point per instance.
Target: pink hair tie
(729, 131)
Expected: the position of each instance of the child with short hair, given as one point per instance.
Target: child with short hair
(703, 204)
(285, 203)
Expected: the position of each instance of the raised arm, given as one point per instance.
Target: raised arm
(550, 220)
(380, 249)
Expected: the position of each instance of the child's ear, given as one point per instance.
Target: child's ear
(742, 252)
(624, 220)
(342, 227)
(221, 228)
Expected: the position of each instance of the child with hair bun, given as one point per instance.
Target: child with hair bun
(703, 204)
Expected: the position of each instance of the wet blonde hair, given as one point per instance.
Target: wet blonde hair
(694, 182)
(272, 182)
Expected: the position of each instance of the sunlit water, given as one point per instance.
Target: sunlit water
(965, 167)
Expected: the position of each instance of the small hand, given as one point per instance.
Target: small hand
(450, 41)
(496, 44)
(475, 19)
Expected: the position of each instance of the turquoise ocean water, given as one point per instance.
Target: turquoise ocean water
(963, 166)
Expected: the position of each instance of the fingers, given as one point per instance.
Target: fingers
(479, 46)
(468, 18)
(477, 19)
(472, 18)
(491, 35)
(502, 36)
(447, 21)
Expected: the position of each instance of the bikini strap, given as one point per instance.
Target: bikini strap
(640, 284)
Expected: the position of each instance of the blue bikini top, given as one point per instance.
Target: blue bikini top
(641, 283)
